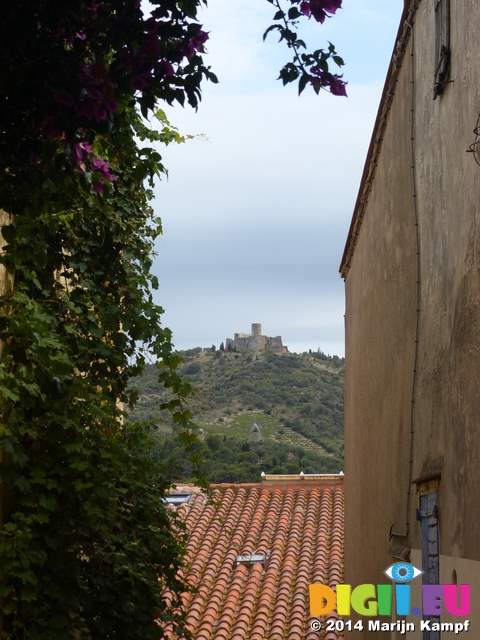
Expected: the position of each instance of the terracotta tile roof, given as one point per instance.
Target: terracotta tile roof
(295, 524)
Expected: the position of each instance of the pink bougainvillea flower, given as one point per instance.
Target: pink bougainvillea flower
(85, 74)
(93, 8)
(112, 106)
(305, 8)
(102, 167)
(337, 86)
(83, 153)
(150, 46)
(331, 6)
(91, 107)
(48, 129)
(196, 42)
(65, 98)
(319, 8)
(138, 82)
(166, 68)
(125, 59)
(80, 149)
(322, 79)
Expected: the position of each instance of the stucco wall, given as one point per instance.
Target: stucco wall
(380, 334)
(380, 315)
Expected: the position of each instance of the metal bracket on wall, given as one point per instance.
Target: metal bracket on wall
(426, 514)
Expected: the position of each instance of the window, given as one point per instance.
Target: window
(253, 558)
(442, 45)
(176, 499)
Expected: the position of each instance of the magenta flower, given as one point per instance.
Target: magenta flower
(166, 68)
(85, 73)
(91, 107)
(49, 130)
(196, 42)
(305, 8)
(138, 82)
(112, 105)
(93, 8)
(319, 8)
(322, 79)
(97, 164)
(83, 153)
(125, 59)
(80, 149)
(65, 98)
(337, 86)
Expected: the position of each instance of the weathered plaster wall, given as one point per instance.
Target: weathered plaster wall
(380, 316)
(447, 438)
(380, 335)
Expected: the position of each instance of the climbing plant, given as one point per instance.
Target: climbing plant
(87, 549)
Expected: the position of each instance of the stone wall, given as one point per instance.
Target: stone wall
(256, 342)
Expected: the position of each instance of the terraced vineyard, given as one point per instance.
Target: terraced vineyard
(296, 400)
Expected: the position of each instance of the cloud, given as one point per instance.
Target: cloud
(255, 219)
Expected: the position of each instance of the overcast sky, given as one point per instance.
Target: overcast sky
(256, 212)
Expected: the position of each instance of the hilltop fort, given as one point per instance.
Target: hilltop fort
(256, 341)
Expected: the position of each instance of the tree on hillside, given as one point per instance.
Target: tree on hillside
(87, 548)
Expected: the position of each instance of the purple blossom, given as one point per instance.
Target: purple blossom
(80, 149)
(91, 107)
(65, 98)
(112, 106)
(125, 59)
(319, 8)
(85, 74)
(82, 153)
(166, 68)
(337, 86)
(305, 8)
(93, 8)
(325, 79)
(150, 46)
(138, 82)
(196, 42)
(151, 26)
(48, 129)
(97, 164)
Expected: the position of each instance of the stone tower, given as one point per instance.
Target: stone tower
(256, 329)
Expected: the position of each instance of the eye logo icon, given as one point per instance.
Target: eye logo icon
(402, 572)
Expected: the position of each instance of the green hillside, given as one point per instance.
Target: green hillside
(296, 400)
